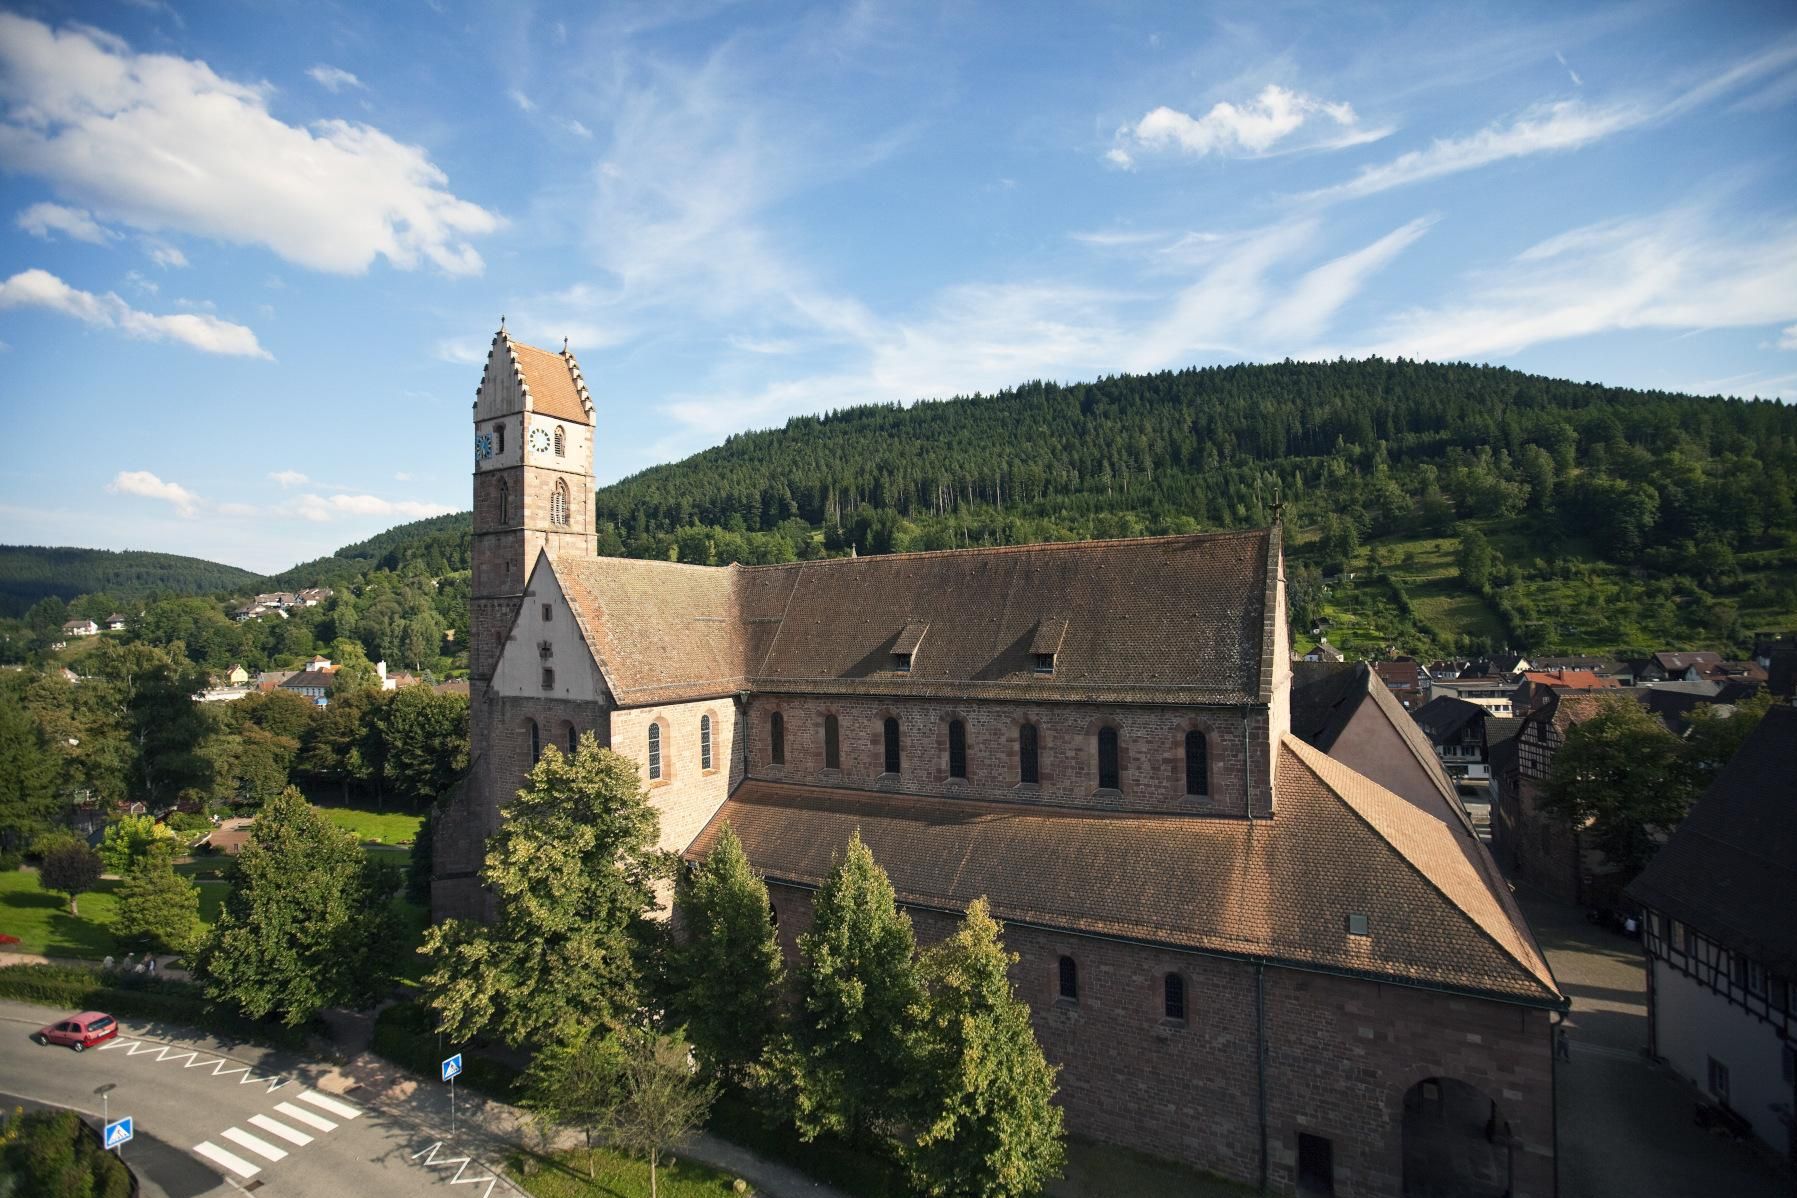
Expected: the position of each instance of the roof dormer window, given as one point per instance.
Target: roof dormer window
(1044, 663)
(901, 662)
(905, 647)
(1047, 643)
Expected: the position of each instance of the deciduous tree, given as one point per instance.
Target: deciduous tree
(728, 972)
(157, 906)
(981, 1091)
(308, 923)
(1622, 774)
(128, 838)
(70, 868)
(857, 981)
(572, 870)
(660, 1097)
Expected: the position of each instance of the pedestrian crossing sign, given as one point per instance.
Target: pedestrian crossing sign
(118, 1131)
(452, 1066)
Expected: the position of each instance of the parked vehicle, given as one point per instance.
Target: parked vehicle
(79, 1031)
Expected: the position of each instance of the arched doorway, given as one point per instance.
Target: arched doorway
(1457, 1143)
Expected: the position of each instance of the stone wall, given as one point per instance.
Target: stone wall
(687, 795)
(1341, 1055)
(1151, 751)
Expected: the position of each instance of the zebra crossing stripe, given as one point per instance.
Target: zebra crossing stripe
(305, 1116)
(275, 1127)
(231, 1161)
(255, 1144)
(342, 1109)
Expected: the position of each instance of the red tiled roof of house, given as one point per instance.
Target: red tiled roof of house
(1172, 619)
(1279, 889)
(1583, 680)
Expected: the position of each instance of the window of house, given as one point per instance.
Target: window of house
(547, 613)
(1044, 663)
(573, 738)
(548, 678)
(561, 442)
(1678, 935)
(1069, 980)
(654, 752)
(777, 738)
(1778, 993)
(1737, 969)
(890, 735)
(558, 503)
(1719, 1079)
(1174, 996)
(536, 744)
(1197, 764)
(901, 662)
(1108, 776)
(957, 749)
(1756, 978)
(704, 742)
(499, 436)
(832, 745)
(1028, 740)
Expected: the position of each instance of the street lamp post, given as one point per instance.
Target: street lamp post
(106, 1108)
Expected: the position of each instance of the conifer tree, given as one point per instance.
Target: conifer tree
(573, 868)
(981, 1091)
(308, 923)
(156, 905)
(857, 982)
(728, 972)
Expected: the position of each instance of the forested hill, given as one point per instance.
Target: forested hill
(29, 573)
(436, 546)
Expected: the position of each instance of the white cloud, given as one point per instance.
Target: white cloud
(1561, 59)
(1247, 130)
(321, 509)
(334, 79)
(40, 220)
(165, 255)
(524, 102)
(464, 351)
(1683, 269)
(41, 289)
(164, 143)
(148, 486)
(1312, 304)
(288, 478)
(400, 476)
(1788, 339)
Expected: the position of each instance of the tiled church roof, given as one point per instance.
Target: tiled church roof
(553, 381)
(1162, 619)
(1278, 889)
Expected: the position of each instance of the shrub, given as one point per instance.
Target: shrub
(405, 1033)
(139, 995)
(53, 1153)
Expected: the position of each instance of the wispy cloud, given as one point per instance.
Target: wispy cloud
(334, 79)
(164, 255)
(1788, 339)
(40, 220)
(1250, 129)
(104, 124)
(147, 486)
(288, 478)
(322, 509)
(524, 102)
(1682, 269)
(1311, 305)
(1572, 74)
(41, 289)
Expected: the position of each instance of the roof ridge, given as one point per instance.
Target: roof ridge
(1303, 753)
(1033, 546)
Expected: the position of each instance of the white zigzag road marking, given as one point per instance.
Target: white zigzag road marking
(462, 1164)
(167, 1052)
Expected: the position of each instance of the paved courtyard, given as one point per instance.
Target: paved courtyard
(1625, 1122)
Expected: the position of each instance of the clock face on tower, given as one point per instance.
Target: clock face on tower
(483, 446)
(539, 440)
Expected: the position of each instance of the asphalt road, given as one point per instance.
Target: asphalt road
(224, 1118)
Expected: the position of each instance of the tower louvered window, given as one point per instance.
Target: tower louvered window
(561, 442)
(558, 503)
(505, 502)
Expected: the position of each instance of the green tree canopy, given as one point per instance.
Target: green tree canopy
(572, 871)
(128, 838)
(70, 868)
(981, 1090)
(28, 776)
(157, 907)
(728, 973)
(1622, 774)
(309, 921)
(426, 742)
(857, 983)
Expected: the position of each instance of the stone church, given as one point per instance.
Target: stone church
(1276, 953)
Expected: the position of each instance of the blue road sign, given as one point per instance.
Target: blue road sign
(452, 1066)
(118, 1131)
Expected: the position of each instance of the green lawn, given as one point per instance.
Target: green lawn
(41, 919)
(616, 1176)
(387, 827)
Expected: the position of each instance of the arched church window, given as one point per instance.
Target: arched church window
(558, 503)
(704, 742)
(957, 749)
(1197, 764)
(505, 502)
(1028, 742)
(654, 752)
(890, 731)
(561, 442)
(1107, 759)
(832, 744)
(499, 436)
(573, 739)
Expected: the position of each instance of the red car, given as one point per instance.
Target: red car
(79, 1031)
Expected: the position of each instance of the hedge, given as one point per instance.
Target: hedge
(53, 1153)
(140, 996)
(405, 1033)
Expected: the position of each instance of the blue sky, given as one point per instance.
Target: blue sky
(251, 255)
